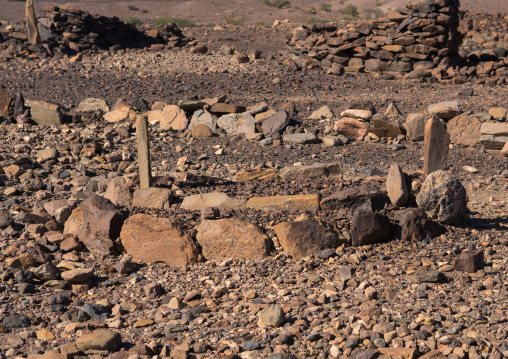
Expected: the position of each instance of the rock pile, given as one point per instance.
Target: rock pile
(419, 42)
(71, 31)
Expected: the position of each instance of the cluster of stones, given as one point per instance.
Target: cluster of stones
(71, 31)
(419, 42)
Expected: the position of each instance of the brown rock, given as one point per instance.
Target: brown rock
(385, 128)
(45, 113)
(464, 130)
(74, 223)
(227, 108)
(504, 151)
(304, 202)
(415, 126)
(118, 192)
(5, 103)
(352, 198)
(77, 275)
(304, 238)
(101, 225)
(101, 340)
(153, 197)
(470, 261)
(151, 240)
(436, 145)
(396, 186)
(351, 127)
(415, 225)
(201, 130)
(198, 202)
(369, 228)
(316, 170)
(256, 174)
(232, 238)
(494, 128)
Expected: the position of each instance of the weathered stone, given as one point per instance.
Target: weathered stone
(118, 192)
(494, 128)
(77, 275)
(331, 141)
(415, 225)
(92, 105)
(118, 116)
(369, 228)
(304, 238)
(316, 170)
(237, 124)
(16, 321)
(173, 117)
(385, 128)
(504, 151)
(103, 340)
(201, 117)
(445, 110)
(198, 202)
(323, 113)
(47, 154)
(429, 275)
(498, 113)
(359, 114)
(275, 123)
(74, 223)
(272, 316)
(304, 202)
(201, 130)
(363, 197)
(470, 261)
(256, 174)
(231, 238)
(464, 130)
(226, 108)
(45, 113)
(443, 197)
(5, 103)
(351, 127)
(300, 138)
(101, 225)
(144, 163)
(150, 240)
(436, 144)
(153, 197)
(491, 142)
(396, 186)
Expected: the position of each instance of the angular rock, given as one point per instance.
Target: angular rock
(173, 117)
(272, 316)
(93, 105)
(443, 197)
(470, 261)
(359, 114)
(396, 186)
(118, 192)
(316, 170)
(118, 116)
(101, 225)
(351, 127)
(353, 198)
(383, 127)
(226, 108)
(201, 117)
(5, 103)
(369, 228)
(45, 113)
(436, 146)
(498, 113)
(304, 238)
(16, 321)
(275, 123)
(232, 238)
(201, 130)
(198, 202)
(491, 142)
(415, 225)
(415, 126)
(464, 130)
(323, 113)
(153, 197)
(237, 124)
(304, 202)
(101, 340)
(150, 240)
(256, 174)
(77, 275)
(74, 223)
(300, 138)
(429, 275)
(494, 128)
(445, 110)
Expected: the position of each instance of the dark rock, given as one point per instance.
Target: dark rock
(356, 198)
(415, 225)
(369, 228)
(16, 321)
(470, 261)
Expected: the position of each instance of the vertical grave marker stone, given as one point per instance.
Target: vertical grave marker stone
(145, 168)
(436, 146)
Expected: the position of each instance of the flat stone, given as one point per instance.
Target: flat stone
(436, 146)
(201, 201)
(45, 113)
(231, 238)
(45, 334)
(359, 114)
(153, 197)
(332, 141)
(396, 186)
(429, 275)
(351, 127)
(304, 238)
(316, 170)
(491, 142)
(77, 275)
(237, 124)
(464, 130)
(93, 105)
(304, 202)
(256, 175)
(150, 240)
(116, 116)
(494, 128)
(226, 108)
(445, 110)
(352, 198)
(275, 123)
(300, 138)
(104, 340)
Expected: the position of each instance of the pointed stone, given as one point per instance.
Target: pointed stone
(436, 146)
(392, 111)
(396, 186)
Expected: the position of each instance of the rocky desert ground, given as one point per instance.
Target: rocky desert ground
(299, 190)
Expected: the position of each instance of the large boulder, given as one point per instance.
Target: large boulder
(353, 198)
(443, 197)
(232, 238)
(304, 238)
(464, 130)
(102, 223)
(369, 228)
(150, 240)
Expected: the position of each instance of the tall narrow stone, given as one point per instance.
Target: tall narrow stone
(145, 168)
(31, 24)
(436, 142)
(396, 186)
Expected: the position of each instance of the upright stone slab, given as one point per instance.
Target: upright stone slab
(436, 142)
(145, 168)
(45, 113)
(396, 186)
(31, 24)
(5, 103)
